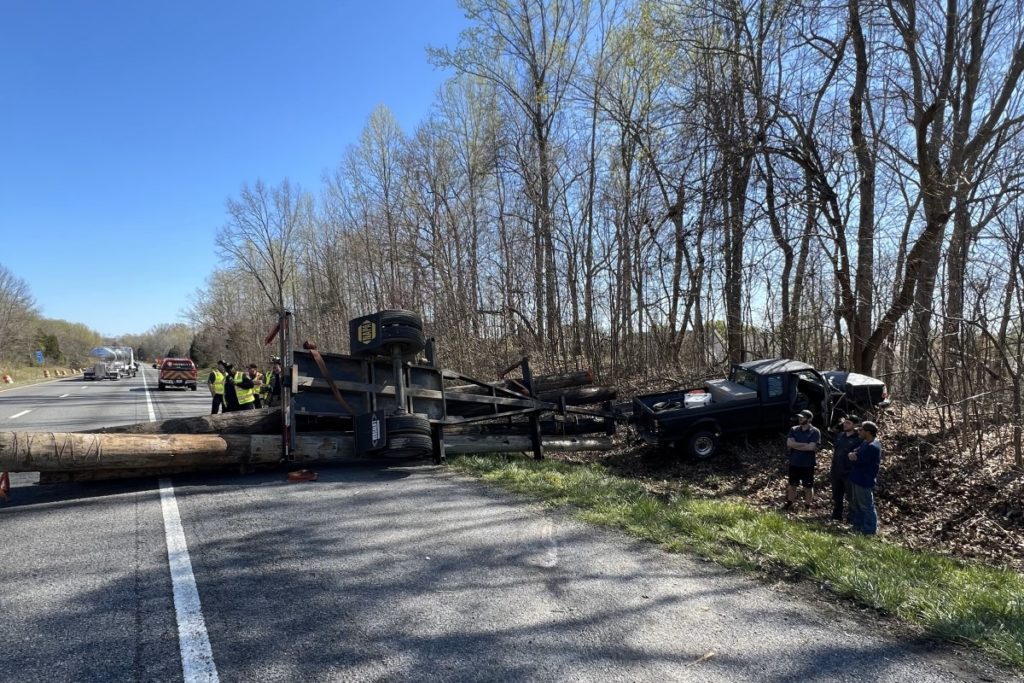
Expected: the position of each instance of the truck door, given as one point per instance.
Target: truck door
(811, 391)
(775, 402)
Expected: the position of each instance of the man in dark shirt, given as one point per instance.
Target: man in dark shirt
(803, 443)
(846, 440)
(865, 460)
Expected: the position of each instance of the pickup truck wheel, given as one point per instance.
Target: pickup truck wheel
(703, 445)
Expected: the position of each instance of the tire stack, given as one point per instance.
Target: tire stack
(383, 331)
(408, 437)
(382, 334)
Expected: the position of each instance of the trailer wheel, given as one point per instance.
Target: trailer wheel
(703, 445)
(408, 446)
(409, 340)
(408, 424)
(396, 316)
(160, 386)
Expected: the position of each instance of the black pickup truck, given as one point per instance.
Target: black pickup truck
(759, 395)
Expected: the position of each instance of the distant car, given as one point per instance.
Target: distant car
(178, 372)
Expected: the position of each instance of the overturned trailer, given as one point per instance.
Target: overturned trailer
(395, 400)
(388, 399)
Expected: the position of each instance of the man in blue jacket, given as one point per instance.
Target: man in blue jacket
(846, 440)
(864, 460)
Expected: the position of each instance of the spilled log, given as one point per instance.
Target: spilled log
(76, 452)
(239, 422)
(580, 396)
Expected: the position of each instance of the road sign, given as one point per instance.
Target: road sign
(39, 357)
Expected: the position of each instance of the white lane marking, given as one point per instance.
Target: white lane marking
(149, 399)
(196, 655)
(63, 395)
(19, 414)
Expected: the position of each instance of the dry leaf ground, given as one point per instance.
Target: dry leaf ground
(933, 493)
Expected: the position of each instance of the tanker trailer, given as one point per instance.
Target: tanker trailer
(106, 364)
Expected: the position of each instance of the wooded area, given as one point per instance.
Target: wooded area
(652, 189)
(655, 188)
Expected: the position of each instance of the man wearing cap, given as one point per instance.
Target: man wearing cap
(256, 377)
(215, 382)
(803, 443)
(864, 460)
(846, 440)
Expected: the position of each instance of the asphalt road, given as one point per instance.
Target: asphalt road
(374, 574)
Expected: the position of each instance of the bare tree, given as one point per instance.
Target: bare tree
(260, 236)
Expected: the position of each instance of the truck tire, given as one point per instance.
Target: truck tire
(408, 339)
(408, 424)
(160, 386)
(396, 316)
(408, 446)
(194, 387)
(702, 445)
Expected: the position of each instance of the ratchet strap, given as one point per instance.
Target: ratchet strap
(5, 485)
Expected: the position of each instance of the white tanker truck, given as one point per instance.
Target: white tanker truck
(110, 362)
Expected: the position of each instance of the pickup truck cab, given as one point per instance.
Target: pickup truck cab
(758, 395)
(178, 372)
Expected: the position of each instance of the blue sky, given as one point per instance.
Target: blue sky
(124, 126)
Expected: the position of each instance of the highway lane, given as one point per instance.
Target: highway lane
(73, 404)
(395, 574)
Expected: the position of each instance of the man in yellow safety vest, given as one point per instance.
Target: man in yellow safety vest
(215, 383)
(238, 391)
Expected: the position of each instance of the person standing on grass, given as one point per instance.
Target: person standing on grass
(803, 443)
(865, 460)
(846, 440)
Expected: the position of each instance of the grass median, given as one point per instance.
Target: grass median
(963, 603)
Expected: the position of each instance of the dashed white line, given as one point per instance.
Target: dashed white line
(196, 655)
(149, 399)
(19, 414)
(197, 665)
(63, 395)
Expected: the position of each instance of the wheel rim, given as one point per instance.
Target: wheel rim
(703, 446)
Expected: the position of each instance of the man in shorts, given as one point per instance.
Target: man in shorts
(803, 443)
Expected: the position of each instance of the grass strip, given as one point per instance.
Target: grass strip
(955, 601)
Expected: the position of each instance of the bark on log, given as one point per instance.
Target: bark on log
(541, 384)
(238, 422)
(57, 452)
(547, 427)
(580, 396)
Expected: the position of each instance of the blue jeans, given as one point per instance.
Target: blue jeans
(862, 509)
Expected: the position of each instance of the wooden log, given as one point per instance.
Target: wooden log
(238, 422)
(580, 396)
(466, 443)
(56, 452)
(542, 383)
(549, 427)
